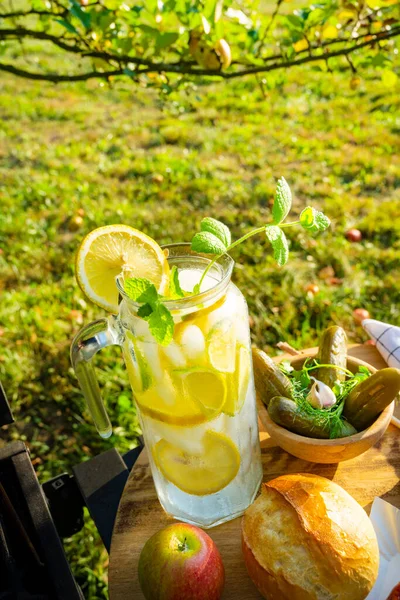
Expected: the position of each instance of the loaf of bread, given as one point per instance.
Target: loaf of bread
(305, 538)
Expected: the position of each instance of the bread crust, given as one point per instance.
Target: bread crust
(305, 538)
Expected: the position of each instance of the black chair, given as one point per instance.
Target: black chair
(34, 518)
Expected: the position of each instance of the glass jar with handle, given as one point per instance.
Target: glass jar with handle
(195, 397)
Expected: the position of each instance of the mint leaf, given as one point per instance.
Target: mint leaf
(313, 220)
(141, 290)
(161, 325)
(150, 296)
(175, 289)
(279, 243)
(307, 217)
(145, 311)
(217, 228)
(208, 243)
(282, 202)
(322, 221)
(136, 286)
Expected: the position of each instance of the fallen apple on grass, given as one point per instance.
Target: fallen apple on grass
(181, 562)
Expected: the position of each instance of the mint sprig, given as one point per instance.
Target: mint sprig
(313, 220)
(283, 201)
(279, 243)
(175, 290)
(152, 310)
(214, 239)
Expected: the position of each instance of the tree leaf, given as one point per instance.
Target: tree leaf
(206, 25)
(282, 202)
(165, 39)
(389, 78)
(330, 32)
(82, 16)
(207, 243)
(161, 325)
(67, 25)
(279, 244)
(217, 228)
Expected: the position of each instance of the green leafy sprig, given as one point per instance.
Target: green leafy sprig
(215, 238)
(328, 418)
(153, 309)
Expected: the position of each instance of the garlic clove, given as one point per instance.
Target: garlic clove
(321, 395)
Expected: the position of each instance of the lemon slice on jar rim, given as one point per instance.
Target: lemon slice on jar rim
(109, 251)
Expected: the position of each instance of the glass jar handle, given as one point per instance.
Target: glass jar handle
(87, 342)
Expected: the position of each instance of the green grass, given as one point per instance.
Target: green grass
(120, 155)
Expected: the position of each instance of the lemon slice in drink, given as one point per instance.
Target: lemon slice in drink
(199, 474)
(222, 346)
(204, 387)
(110, 250)
(238, 383)
(165, 401)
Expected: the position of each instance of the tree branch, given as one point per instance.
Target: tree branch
(22, 32)
(314, 57)
(268, 27)
(59, 78)
(21, 13)
(183, 68)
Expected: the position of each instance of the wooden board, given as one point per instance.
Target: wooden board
(374, 473)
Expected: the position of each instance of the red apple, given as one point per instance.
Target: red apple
(181, 562)
(359, 314)
(354, 235)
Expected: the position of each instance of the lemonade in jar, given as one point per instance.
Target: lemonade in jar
(184, 332)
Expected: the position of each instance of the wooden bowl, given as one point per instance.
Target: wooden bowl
(329, 451)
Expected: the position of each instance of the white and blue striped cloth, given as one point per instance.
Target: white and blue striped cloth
(387, 340)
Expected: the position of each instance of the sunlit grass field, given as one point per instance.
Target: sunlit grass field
(75, 157)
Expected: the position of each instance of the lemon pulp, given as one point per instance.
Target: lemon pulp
(199, 474)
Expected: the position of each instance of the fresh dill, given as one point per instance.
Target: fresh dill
(330, 418)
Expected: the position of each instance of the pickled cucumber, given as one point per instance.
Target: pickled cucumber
(287, 414)
(332, 351)
(269, 379)
(371, 397)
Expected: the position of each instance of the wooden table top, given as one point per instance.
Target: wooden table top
(374, 473)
